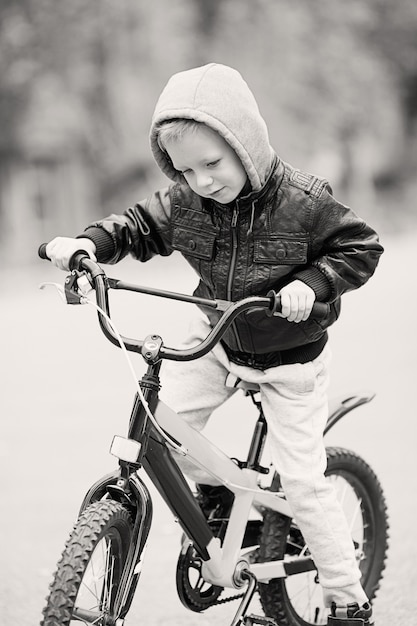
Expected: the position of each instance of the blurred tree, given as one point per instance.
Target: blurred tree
(336, 82)
(17, 70)
(206, 24)
(393, 36)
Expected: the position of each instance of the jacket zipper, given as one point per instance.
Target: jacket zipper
(232, 267)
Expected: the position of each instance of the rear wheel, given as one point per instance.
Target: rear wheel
(297, 600)
(89, 572)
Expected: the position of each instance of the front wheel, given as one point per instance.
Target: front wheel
(87, 581)
(297, 600)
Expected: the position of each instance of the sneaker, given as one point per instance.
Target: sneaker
(351, 615)
(215, 501)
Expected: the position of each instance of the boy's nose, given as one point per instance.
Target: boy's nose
(204, 180)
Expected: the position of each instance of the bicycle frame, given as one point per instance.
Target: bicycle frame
(145, 446)
(222, 564)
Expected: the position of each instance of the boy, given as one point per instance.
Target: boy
(247, 222)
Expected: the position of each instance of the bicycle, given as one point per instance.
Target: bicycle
(99, 569)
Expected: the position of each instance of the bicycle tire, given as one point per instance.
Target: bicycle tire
(90, 567)
(279, 597)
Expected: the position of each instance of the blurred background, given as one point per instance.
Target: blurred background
(337, 85)
(336, 82)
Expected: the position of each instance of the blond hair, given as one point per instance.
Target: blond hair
(175, 129)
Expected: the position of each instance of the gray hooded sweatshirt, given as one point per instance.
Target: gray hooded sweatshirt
(216, 95)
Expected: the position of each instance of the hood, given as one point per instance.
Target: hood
(217, 96)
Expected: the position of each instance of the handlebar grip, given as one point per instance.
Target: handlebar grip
(319, 311)
(42, 252)
(73, 263)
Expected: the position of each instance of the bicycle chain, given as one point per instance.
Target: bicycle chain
(229, 599)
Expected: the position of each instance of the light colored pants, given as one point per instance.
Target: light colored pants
(294, 400)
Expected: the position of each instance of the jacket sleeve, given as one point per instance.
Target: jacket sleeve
(345, 250)
(142, 231)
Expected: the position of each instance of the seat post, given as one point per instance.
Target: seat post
(257, 444)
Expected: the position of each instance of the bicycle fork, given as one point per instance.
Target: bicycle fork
(135, 495)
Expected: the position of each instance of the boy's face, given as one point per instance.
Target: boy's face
(209, 165)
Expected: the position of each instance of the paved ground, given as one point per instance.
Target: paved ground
(65, 392)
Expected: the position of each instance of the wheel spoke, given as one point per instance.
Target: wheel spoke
(108, 579)
(95, 581)
(85, 616)
(355, 515)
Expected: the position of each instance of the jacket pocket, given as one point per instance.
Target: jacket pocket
(279, 251)
(193, 243)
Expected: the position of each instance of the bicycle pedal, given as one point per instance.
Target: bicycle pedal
(250, 620)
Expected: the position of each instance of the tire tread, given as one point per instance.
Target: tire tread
(78, 549)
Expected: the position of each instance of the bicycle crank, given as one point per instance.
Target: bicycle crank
(241, 619)
(197, 595)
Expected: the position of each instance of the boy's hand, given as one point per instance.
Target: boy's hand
(61, 249)
(297, 300)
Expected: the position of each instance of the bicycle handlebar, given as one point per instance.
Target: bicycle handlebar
(81, 261)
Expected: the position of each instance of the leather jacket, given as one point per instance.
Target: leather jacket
(292, 228)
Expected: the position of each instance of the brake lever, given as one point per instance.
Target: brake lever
(74, 283)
